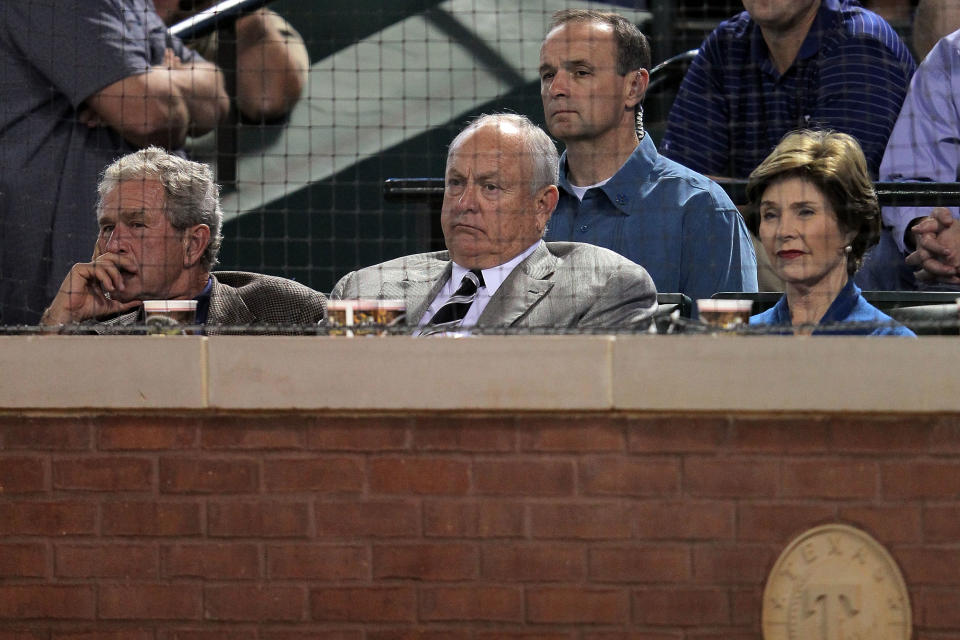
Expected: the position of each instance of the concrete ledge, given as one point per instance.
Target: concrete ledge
(101, 372)
(530, 372)
(536, 373)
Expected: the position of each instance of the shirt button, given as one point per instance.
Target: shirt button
(622, 199)
(583, 228)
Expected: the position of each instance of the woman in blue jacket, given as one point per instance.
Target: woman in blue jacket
(816, 213)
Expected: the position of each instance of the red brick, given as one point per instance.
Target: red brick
(621, 476)
(206, 634)
(880, 434)
(730, 477)
(22, 475)
(941, 523)
(680, 607)
(522, 635)
(533, 563)
(670, 434)
(779, 522)
(414, 634)
(151, 519)
(577, 433)
(578, 606)
(325, 475)
(375, 518)
(746, 606)
(27, 560)
(254, 603)
(150, 601)
(145, 433)
(433, 476)
(528, 477)
(45, 434)
(640, 563)
(103, 634)
(595, 521)
(25, 634)
(318, 634)
(272, 432)
(364, 604)
(60, 602)
(435, 562)
(105, 561)
(210, 561)
(458, 433)
(462, 604)
(920, 479)
(636, 635)
(830, 479)
(937, 610)
(318, 562)
(945, 435)
(189, 475)
(258, 519)
(686, 520)
(47, 518)
(485, 519)
(767, 434)
(359, 434)
(744, 564)
(887, 524)
(930, 566)
(103, 474)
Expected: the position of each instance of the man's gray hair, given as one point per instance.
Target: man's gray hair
(192, 197)
(537, 146)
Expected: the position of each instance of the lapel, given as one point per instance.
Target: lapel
(227, 307)
(522, 289)
(421, 286)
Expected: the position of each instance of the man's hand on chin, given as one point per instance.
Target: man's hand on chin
(88, 291)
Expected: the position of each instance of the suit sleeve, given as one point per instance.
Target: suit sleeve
(628, 300)
(346, 284)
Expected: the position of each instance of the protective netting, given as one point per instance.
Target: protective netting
(330, 100)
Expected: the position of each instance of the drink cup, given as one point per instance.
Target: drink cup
(365, 317)
(170, 317)
(725, 314)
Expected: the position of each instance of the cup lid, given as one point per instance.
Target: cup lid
(169, 306)
(365, 304)
(721, 304)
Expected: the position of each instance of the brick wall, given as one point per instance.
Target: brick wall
(392, 527)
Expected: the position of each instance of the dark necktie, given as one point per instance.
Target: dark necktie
(454, 310)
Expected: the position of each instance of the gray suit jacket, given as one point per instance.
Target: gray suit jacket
(561, 285)
(242, 298)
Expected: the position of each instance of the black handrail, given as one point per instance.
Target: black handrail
(890, 194)
(211, 19)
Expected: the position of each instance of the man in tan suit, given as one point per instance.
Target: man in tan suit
(160, 220)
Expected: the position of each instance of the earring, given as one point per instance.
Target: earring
(847, 249)
(638, 111)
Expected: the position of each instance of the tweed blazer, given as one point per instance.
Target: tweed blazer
(561, 285)
(242, 298)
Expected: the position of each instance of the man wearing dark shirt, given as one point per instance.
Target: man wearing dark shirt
(783, 65)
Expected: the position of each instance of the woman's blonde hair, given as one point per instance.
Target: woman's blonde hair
(835, 164)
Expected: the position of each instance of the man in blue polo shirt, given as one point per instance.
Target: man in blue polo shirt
(783, 65)
(616, 191)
